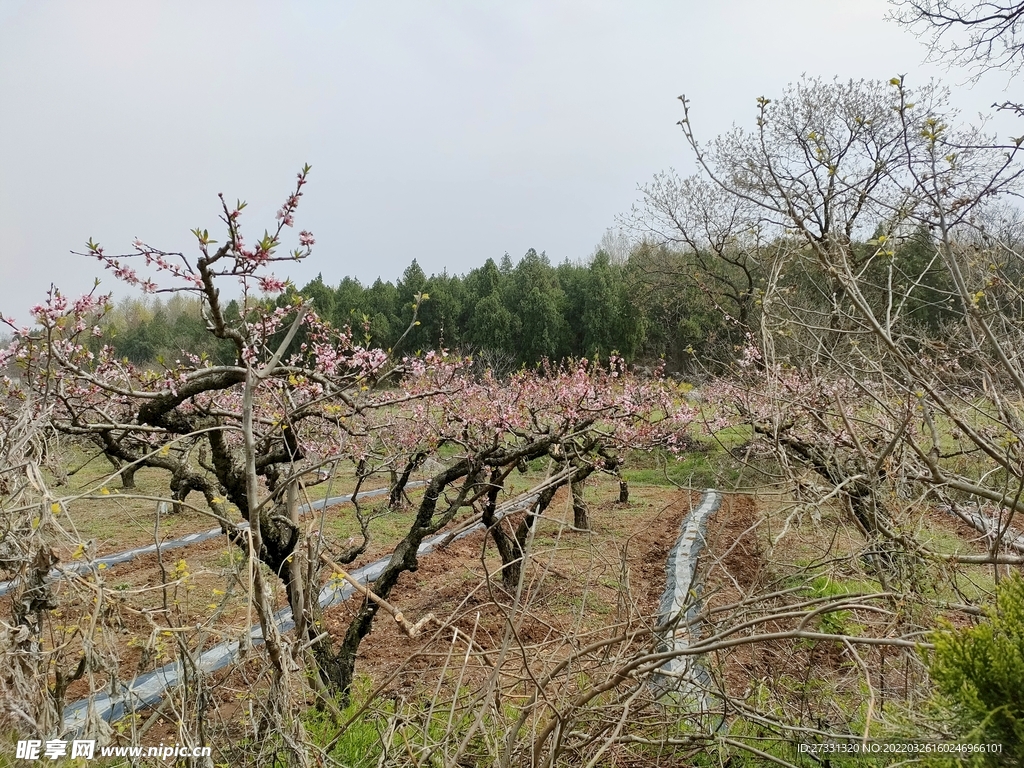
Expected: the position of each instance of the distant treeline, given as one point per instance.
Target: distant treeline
(509, 314)
(690, 309)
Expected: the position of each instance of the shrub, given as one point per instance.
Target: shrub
(979, 673)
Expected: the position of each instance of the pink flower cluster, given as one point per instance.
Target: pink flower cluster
(235, 258)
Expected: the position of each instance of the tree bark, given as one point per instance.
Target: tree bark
(580, 519)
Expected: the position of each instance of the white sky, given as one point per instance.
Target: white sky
(446, 131)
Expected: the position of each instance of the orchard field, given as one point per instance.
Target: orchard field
(853, 267)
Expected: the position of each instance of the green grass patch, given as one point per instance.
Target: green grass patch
(691, 470)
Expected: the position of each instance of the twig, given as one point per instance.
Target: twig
(412, 630)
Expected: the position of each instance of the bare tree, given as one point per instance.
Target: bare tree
(830, 163)
(618, 244)
(718, 234)
(887, 374)
(982, 35)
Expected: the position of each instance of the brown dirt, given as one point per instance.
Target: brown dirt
(732, 567)
(452, 585)
(798, 675)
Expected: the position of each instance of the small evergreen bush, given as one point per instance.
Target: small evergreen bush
(979, 673)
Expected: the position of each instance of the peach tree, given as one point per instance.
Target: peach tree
(301, 397)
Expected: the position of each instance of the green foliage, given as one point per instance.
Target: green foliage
(150, 330)
(979, 674)
(697, 469)
(909, 275)
(837, 622)
(387, 728)
(646, 309)
(682, 322)
(358, 746)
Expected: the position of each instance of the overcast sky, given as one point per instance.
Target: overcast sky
(448, 132)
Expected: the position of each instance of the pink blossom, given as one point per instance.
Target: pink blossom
(271, 284)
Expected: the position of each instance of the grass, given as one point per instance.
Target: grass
(117, 518)
(711, 467)
(359, 745)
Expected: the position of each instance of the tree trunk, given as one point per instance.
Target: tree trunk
(511, 554)
(613, 463)
(337, 668)
(128, 476)
(399, 482)
(127, 471)
(580, 519)
(512, 548)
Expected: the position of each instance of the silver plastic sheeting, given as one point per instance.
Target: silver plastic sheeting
(681, 675)
(148, 689)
